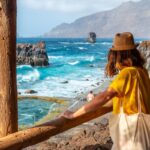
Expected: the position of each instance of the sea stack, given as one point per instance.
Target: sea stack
(92, 37)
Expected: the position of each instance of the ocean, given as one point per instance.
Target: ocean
(76, 67)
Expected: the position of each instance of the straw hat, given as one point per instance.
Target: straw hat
(123, 41)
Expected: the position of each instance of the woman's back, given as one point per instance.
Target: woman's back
(126, 84)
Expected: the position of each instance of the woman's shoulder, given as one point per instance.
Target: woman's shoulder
(133, 71)
(127, 70)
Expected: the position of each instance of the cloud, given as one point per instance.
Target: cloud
(72, 6)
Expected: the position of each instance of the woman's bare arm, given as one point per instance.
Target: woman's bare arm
(96, 103)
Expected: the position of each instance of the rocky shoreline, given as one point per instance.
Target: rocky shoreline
(93, 135)
(32, 54)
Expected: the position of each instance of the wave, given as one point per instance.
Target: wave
(103, 58)
(82, 48)
(90, 58)
(73, 63)
(54, 48)
(64, 42)
(106, 43)
(77, 83)
(55, 57)
(30, 76)
(24, 66)
(83, 43)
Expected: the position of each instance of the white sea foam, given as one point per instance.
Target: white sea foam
(90, 58)
(106, 43)
(103, 58)
(73, 63)
(83, 43)
(54, 86)
(30, 76)
(82, 48)
(101, 53)
(55, 57)
(64, 42)
(24, 66)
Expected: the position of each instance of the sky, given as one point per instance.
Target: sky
(36, 17)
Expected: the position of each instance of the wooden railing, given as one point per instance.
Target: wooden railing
(34, 135)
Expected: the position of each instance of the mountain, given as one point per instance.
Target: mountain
(130, 16)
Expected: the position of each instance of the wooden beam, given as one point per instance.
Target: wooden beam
(42, 132)
(8, 90)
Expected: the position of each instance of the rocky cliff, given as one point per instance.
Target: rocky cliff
(144, 48)
(32, 54)
(130, 16)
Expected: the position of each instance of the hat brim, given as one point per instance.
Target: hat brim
(124, 47)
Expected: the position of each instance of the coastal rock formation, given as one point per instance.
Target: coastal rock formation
(144, 49)
(92, 37)
(32, 54)
(30, 92)
(90, 136)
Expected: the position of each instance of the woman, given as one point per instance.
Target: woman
(124, 60)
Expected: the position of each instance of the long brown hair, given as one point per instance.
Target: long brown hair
(124, 58)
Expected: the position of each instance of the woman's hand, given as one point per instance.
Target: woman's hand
(67, 114)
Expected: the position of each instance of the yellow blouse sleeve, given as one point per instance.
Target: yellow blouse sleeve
(121, 84)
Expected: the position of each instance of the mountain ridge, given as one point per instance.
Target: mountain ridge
(129, 16)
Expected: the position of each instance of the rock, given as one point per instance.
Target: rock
(91, 65)
(19, 93)
(87, 138)
(32, 54)
(83, 99)
(98, 83)
(76, 138)
(30, 92)
(144, 49)
(42, 45)
(65, 82)
(83, 133)
(90, 133)
(92, 37)
(104, 121)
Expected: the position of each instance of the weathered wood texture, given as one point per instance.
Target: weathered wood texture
(40, 133)
(8, 90)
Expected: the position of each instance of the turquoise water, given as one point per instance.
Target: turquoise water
(79, 63)
(30, 111)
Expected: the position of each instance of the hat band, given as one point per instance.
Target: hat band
(123, 47)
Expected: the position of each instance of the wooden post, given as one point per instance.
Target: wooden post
(8, 90)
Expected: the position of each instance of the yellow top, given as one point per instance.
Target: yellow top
(126, 85)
